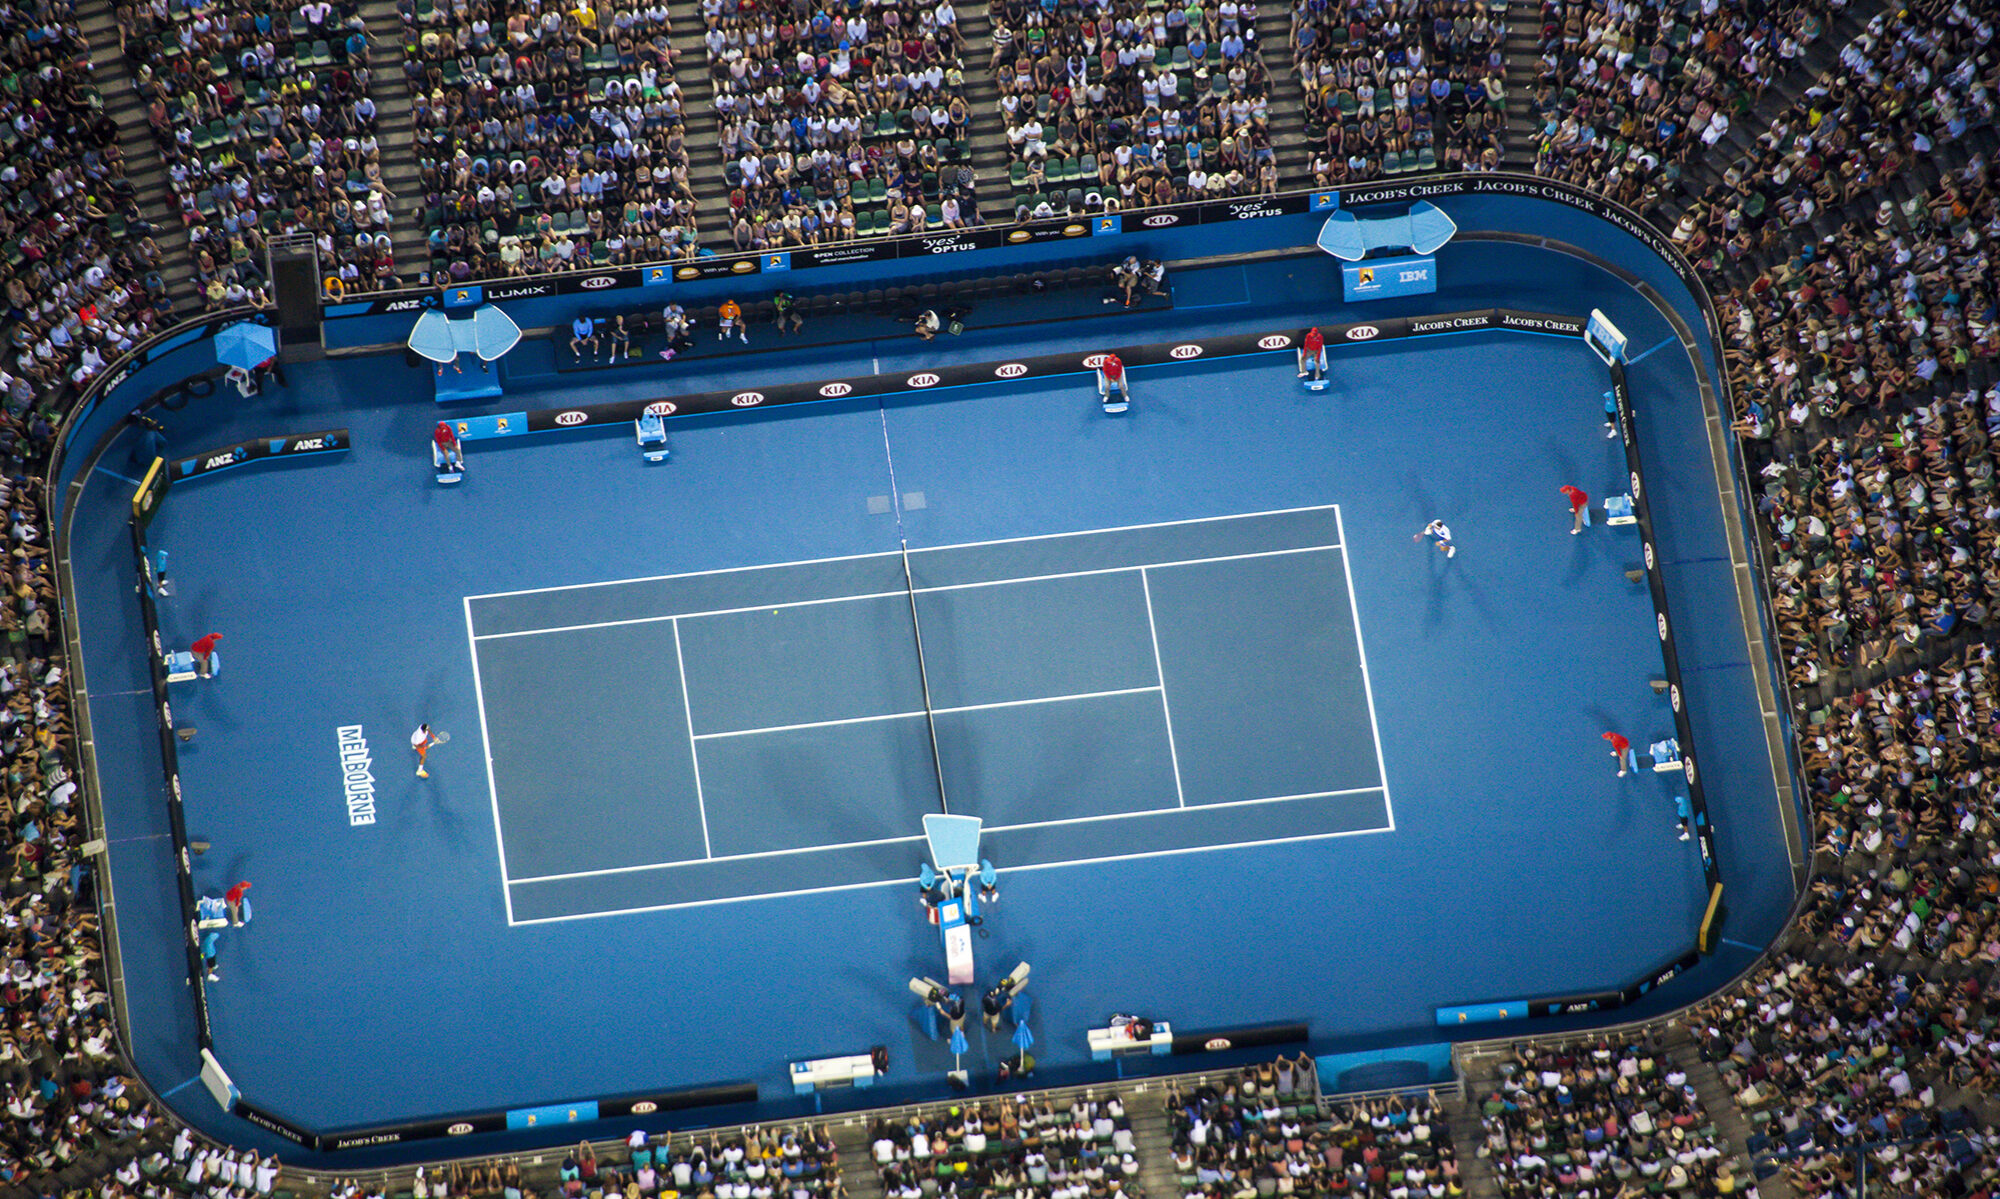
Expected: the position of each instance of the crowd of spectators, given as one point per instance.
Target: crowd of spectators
(1878, 491)
(261, 114)
(1918, 77)
(765, 1162)
(1884, 536)
(1627, 92)
(1600, 1119)
(1016, 1148)
(1115, 105)
(553, 138)
(1265, 1132)
(1400, 85)
(548, 137)
(840, 119)
(67, 1109)
(79, 268)
(1876, 309)
(1842, 1054)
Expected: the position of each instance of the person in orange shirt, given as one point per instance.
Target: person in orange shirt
(729, 318)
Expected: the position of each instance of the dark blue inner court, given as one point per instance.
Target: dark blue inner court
(1166, 689)
(698, 682)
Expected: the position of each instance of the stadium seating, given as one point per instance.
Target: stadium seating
(1420, 90)
(1111, 111)
(547, 141)
(262, 116)
(80, 264)
(1843, 217)
(1625, 94)
(1598, 1114)
(1267, 1132)
(1038, 1146)
(842, 124)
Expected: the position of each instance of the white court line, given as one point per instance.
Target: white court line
(686, 574)
(694, 752)
(937, 549)
(991, 828)
(943, 587)
(919, 714)
(1159, 672)
(1004, 703)
(1233, 803)
(1138, 566)
(613, 624)
(900, 882)
(722, 857)
(1367, 687)
(486, 743)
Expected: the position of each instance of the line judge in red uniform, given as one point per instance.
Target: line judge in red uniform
(1579, 507)
(1621, 752)
(1110, 374)
(449, 453)
(1312, 355)
(204, 654)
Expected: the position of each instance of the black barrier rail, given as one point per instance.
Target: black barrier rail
(1663, 623)
(1221, 1040)
(326, 441)
(1036, 367)
(170, 766)
(1605, 1001)
(622, 1108)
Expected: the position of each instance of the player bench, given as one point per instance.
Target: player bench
(1109, 1043)
(850, 1070)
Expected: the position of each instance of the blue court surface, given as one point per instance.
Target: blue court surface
(1178, 661)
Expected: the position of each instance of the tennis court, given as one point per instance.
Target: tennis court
(1095, 695)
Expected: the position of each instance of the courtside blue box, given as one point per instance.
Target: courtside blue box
(1382, 278)
(654, 276)
(1325, 201)
(781, 261)
(1482, 1013)
(463, 295)
(554, 1113)
(503, 424)
(1108, 224)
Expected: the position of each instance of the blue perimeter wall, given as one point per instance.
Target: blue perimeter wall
(1527, 214)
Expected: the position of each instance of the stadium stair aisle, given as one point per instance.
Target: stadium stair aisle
(1153, 1139)
(1479, 1076)
(142, 161)
(1475, 1173)
(990, 159)
(1287, 97)
(1720, 1104)
(1522, 49)
(711, 189)
(858, 1177)
(390, 89)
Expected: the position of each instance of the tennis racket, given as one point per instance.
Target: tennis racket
(439, 737)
